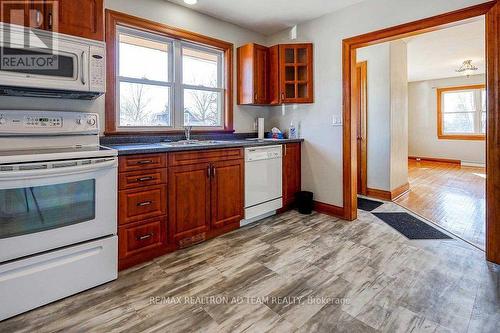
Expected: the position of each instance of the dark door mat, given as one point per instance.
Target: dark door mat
(368, 205)
(410, 226)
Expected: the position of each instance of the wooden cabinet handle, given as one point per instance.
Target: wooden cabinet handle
(282, 96)
(255, 97)
(144, 237)
(208, 171)
(145, 203)
(145, 162)
(213, 171)
(144, 179)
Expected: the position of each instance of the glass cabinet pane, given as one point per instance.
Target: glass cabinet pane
(34, 209)
(302, 90)
(302, 55)
(290, 90)
(289, 56)
(290, 73)
(302, 73)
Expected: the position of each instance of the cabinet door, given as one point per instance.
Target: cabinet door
(83, 18)
(261, 75)
(296, 73)
(25, 13)
(227, 192)
(291, 173)
(189, 200)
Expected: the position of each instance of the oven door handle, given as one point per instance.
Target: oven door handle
(41, 173)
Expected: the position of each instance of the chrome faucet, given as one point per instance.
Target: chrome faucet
(187, 132)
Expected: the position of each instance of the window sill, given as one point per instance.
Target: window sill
(168, 132)
(473, 137)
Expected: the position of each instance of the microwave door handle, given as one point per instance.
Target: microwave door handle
(15, 175)
(84, 68)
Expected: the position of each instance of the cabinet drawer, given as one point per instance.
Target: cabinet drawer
(135, 179)
(142, 162)
(142, 203)
(204, 156)
(141, 237)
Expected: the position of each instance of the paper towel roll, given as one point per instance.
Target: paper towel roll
(261, 128)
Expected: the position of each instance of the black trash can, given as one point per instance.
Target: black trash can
(304, 202)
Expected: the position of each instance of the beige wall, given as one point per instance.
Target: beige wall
(399, 114)
(322, 153)
(171, 14)
(423, 123)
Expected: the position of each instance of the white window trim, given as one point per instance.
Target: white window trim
(175, 83)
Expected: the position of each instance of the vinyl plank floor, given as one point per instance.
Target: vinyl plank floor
(292, 273)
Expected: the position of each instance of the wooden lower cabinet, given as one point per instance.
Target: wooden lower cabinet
(189, 200)
(227, 193)
(291, 173)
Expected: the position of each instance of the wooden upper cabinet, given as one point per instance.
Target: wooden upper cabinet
(275, 75)
(291, 172)
(82, 18)
(227, 192)
(296, 73)
(253, 74)
(25, 13)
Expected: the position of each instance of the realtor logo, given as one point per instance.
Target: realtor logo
(25, 47)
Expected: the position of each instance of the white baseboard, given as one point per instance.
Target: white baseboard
(473, 164)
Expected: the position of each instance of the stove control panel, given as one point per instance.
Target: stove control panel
(21, 122)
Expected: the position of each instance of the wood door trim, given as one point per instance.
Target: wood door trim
(363, 67)
(492, 11)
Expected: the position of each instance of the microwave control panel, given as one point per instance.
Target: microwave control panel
(19, 122)
(97, 69)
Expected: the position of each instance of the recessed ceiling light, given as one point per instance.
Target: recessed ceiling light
(191, 2)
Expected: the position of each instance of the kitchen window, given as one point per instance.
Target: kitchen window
(164, 79)
(462, 112)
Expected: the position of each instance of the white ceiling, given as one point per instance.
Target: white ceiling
(267, 16)
(436, 55)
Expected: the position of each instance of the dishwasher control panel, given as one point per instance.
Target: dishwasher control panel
(263, 153)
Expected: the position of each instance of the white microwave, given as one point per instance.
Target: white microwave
(38, 63)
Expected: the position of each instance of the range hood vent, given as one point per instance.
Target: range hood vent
(47, 93)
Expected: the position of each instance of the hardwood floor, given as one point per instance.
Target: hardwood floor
(449, 195)
(292, 273)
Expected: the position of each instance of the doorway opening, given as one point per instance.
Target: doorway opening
(426, 126)
(350, 45)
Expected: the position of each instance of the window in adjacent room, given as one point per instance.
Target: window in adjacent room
(462, 112)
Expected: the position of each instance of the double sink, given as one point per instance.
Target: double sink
(187, 143)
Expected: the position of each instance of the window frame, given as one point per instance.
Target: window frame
(116, 20)
(440, 114)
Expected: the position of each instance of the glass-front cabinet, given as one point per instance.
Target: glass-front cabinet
(296, 73)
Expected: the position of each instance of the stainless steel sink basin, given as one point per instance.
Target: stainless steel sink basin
(184, 143)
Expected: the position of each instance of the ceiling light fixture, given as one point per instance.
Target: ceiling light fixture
(191, 2)
(467, 68)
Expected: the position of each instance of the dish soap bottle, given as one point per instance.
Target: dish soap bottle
(292, 131)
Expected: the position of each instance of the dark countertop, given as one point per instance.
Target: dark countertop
(163, 147)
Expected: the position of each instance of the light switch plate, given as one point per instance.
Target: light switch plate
(336, 120)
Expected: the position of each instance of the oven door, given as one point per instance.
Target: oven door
(56, 204)
(63, 67)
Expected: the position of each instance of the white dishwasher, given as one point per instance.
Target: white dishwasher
(263, 182)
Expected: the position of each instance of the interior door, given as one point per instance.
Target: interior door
(361, 107)
(189, 200)
(227, 192)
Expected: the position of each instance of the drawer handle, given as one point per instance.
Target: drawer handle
(145, 162)
(144, 179)
(144, 237)
(145, 203)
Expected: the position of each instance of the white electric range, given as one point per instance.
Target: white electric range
(58, 203)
